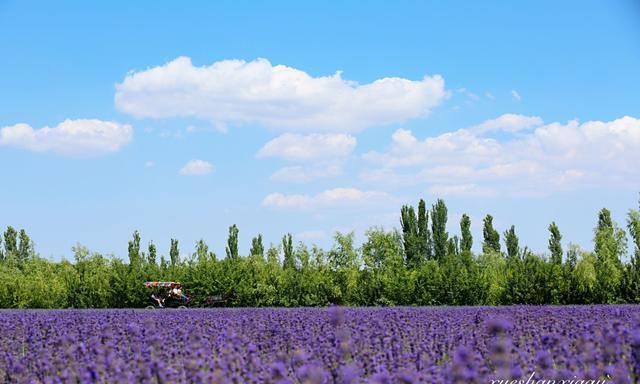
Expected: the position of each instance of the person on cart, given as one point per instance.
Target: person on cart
(158, 300)
(176, 292)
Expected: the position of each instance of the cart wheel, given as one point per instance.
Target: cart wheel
(182, 307)
(150, 307)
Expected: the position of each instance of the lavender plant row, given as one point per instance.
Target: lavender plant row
(334, 345)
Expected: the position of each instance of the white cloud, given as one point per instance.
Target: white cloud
(470, 95)
(508, 122)
(305, 174)
(329, 198)
(237, 92)
(462, 190)
(196, 168)
(322, 155)
(82, 137)
(295, 147)
(549, 158)
(515, 95)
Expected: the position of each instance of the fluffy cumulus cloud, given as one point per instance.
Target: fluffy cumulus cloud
(547, 158)
(317, 155)
(196, 168)
(82, 137)
(337, 197)
(307, 173)
(237, 92)
(313, 147)
(508, 122)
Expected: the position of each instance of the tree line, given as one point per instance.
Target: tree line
(418, 264)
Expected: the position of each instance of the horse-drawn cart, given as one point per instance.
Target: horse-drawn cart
(168, 294)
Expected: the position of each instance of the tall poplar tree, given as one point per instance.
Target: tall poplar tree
(409, 226)
(257, 248)
(439, 229)
(512, 243)
(425, 249)
(633, 225)
(491, 236)
(174, 253)
(10, 242)
(232, 243)
(25, 247)
(610, 245)
(134, 251)
(632, 270)
(453, 246)
(555, 245)
(152, 254)
(288, 261)
(465, 230)
(202, 251)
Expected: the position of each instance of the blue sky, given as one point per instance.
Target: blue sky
(281, 117)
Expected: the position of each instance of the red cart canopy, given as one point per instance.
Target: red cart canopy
(167, 284)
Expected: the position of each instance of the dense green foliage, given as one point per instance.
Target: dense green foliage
(418, 265)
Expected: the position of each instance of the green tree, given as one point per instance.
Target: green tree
(610, 246)
(425, 249)
(25, 248)
(409, 225)
(343, 261)
(491, 236)
(381, 247)
(536, 275)
(559, 280)
(512, 242)
(633, 225)
(134, 278)
(587, 279)
(570, 286)
(232, 243)
(453, 246)
(134, 251)
(202, 251)
(164, 267)
(465, 230)
(374, 274)
(492, 270)
(10, 242)
(383, 278)
(344, 254)
(152, 254)
(174, 253)
(555, 245)
(439, 229)
(272, 254)
(91, 287)
(257, 249)
(151, 268)
(287, 251)
(303, 256)
(632, 270)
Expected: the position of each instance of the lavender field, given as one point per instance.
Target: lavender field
(579, 344)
